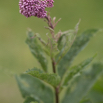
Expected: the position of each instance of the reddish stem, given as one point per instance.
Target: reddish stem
(56, 88)
(48, 18)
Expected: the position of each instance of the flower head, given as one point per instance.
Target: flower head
(36, 8)
(50, 3)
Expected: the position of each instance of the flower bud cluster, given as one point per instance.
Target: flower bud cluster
(36, 8)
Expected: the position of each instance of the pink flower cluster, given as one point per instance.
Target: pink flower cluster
(36, 8)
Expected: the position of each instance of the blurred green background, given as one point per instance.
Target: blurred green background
(15, 56)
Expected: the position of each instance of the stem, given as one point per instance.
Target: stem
(56, 88)
(48, 18)
(56, 95)
(53, 65)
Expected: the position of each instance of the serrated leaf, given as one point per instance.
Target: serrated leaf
(82, 84)
(52, 79)
(75, 70)
(78, 45)
(36, 50)
(33, 87)
(30, 100)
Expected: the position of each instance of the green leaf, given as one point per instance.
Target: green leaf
(82, 84)
(95, 96)
(86, 101)
(33, 87)
(62, 41)
(75, 70)
(30, 100)
(52, 79)
(65, 41)
(33, 102)
(78, 45)
(37, 50)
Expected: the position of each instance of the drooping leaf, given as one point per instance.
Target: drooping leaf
(33, 87)
(36, 50)
(52, 79)
(29, 100)
(75, 70)
(82, 84)
(78, 45)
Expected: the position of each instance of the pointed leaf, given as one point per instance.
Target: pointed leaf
(36, 50)
(76, 70)
(77, 46)
(33, 87)
(82, 84)
(62, 41)
(67, 37)
(52, 79)
(65, 41)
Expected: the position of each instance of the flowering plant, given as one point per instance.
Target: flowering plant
(73, 82)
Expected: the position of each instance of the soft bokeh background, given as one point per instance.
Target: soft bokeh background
(15, 56)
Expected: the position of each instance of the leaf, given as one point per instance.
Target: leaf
(36, 50)
(96, 97)
(33, 87)
(33, 102)
(62, 41)
(65, 41)
(52, 79)
(86, 101)
(67, 37)
(30, 100)
(78, 45)
(77, 70)
(82, 84)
